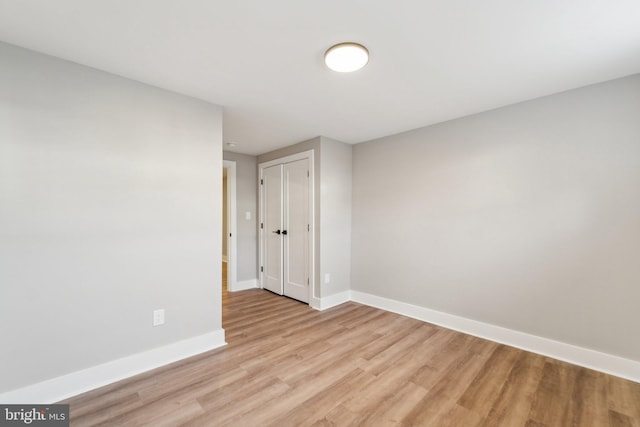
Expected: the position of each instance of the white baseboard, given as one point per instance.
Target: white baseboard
(69, 385)
(607, 363)
(330, 301)
(63, 387)
(314, 303)
(244, 285)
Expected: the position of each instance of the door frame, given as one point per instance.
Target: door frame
(232, 250)
(309, 155)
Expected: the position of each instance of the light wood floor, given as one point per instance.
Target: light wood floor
(287, 365)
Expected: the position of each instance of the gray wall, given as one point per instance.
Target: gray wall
(246, 201)
(335, 216)
(110, 207)
(527, 217)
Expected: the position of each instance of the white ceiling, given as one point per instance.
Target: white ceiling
(431, 60)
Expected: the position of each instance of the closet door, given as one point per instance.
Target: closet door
(286, 229)
(296, 227)
(273, 244)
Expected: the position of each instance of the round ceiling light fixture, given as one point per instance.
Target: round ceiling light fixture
(346, 57)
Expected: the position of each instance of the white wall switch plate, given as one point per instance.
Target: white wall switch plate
(158, 317)
(247, 215)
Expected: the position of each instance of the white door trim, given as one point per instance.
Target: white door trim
(232, 251)
(312, 254)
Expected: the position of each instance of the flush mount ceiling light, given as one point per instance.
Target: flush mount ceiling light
(346, 57)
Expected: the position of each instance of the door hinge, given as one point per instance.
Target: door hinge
(230, 235)
(308, 227)
(261, 269)
(307, 174)
(307, 280)
(261, 225)
(261, 181)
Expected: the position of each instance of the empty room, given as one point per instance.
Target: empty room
(288, 213)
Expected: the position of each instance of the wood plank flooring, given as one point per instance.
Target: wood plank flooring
(288, 365)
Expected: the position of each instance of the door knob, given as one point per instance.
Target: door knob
(278, 232)
(284, 232)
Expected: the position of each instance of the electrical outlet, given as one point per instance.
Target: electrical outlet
(158, 317)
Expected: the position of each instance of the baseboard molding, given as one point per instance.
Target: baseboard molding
(330, 301)
(63, 387)
(314, 303)
(607, 363)
(244, 285)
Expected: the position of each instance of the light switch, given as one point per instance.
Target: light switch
(247, 215)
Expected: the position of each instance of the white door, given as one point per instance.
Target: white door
(272, 199)
(296, 227)
(286, 229)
